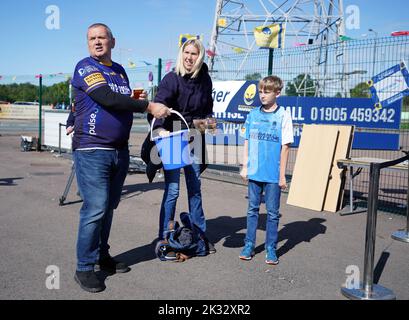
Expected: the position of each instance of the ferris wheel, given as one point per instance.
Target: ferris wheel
(306, 22)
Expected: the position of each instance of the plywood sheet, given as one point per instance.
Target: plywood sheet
(335, 192)
(312, 166)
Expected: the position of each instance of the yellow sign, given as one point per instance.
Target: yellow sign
(12, 111)
(186, 36)
(238, 50)
(271, 36)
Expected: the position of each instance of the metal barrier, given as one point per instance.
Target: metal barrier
(404, 235)
(342, 73)
(368, 290)
(59, 136)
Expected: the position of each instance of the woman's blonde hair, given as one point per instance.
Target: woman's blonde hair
(180, 68)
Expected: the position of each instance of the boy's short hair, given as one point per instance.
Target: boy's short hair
(270, 83)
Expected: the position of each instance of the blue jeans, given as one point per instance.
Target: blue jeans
(100, 177)
(171, 194)
(272, 198)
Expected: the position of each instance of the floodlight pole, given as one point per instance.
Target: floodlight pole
(215, 32)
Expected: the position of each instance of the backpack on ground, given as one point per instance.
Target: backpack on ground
(181, 239)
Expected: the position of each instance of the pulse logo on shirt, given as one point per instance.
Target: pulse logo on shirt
(92, 121)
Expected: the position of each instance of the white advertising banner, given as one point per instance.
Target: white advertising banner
(51, 130)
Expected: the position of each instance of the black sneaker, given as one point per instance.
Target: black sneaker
(209, 246)
(88, 281)
(111, 266)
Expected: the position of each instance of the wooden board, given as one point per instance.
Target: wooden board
(312, 166)
(335, 194)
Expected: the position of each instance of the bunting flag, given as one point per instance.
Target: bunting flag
(299, 44)
(1, 77)
(222, 22)
(345, 38)
(399, 33)
(186, 36)
(238, 50)
(131, 64)
(168, 65)
(210, 53)
(271, 36)
(150, 76)
(38, 76)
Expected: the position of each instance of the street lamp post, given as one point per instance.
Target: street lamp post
(120, 53)
(374, 50)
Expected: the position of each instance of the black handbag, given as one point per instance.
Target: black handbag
(146, 149)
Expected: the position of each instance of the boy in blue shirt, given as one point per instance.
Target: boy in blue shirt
(268, 135)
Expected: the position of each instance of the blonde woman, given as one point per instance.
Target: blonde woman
(187, 89)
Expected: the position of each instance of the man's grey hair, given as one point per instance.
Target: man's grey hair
(102, 25)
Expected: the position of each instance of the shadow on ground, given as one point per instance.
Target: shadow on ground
(132, 190)
(232, 230)
(9, 181)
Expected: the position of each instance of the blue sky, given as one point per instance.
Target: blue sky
(144, 30)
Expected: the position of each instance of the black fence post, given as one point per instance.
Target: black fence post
(270, 61)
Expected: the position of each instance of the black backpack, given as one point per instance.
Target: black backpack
(181, 239)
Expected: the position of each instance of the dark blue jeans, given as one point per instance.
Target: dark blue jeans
(272, 193)
(171, 194)
(100, 177)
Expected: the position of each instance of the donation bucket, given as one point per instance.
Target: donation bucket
(174, 149)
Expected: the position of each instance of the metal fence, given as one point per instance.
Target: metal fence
(338, 70)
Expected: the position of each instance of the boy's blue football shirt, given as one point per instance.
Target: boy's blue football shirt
(265, 132)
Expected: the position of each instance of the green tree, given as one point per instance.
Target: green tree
(253, 76)
(57, 93)
(302, 85)
(361, 90)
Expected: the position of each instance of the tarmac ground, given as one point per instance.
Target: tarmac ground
(317, 250)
